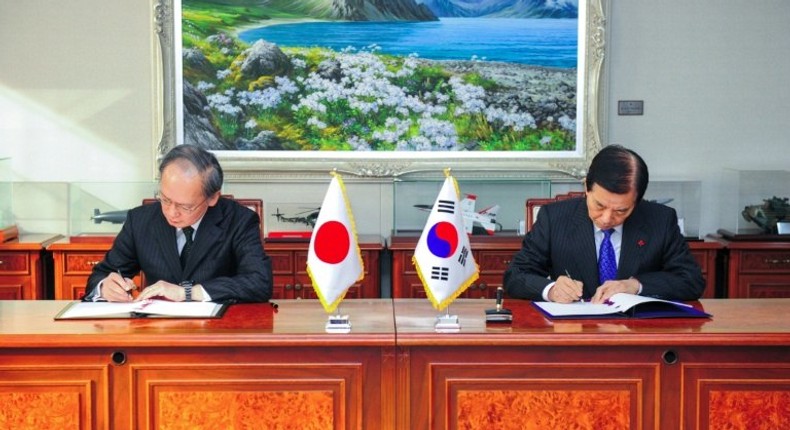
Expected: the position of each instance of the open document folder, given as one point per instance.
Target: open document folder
(145, 308)
(621, 305)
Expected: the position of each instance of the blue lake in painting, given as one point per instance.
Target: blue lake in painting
(538, 42)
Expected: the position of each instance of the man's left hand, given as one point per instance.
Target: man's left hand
(163, 290)
(610, 288)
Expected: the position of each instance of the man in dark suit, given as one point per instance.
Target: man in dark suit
(559, 257)
(218, 240)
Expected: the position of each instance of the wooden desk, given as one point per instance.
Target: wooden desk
(731, 371)
(251, 369)
(260, 369)
(23, 272)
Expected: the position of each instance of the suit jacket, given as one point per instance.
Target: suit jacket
(652, 251)
(227, 256)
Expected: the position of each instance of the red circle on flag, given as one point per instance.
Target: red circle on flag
(332, 242)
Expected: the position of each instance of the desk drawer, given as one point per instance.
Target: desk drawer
(81, 262)
(282, 262)
(494, 261)
(765, 261)
(14, 263)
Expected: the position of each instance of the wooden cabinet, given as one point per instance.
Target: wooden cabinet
(758, 269)
(256, 367)
(708, 254)
(729, 371)
(23, 267)
(74, 259)
(492, 254)
(289, 266)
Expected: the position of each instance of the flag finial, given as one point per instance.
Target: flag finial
(447, 172)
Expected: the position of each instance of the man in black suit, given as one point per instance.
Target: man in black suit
(559, 257)
(224, 260)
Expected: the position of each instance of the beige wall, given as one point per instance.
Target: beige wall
(79, 99)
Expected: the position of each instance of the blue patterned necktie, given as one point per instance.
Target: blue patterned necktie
(607, 263)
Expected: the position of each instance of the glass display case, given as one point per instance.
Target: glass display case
(100, 208)
(683, 196)
(6, 213)
(758, 197)
(413, 198)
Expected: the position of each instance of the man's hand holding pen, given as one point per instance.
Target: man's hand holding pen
(566, 290)
(117, 288)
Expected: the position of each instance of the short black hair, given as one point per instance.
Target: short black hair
(204, 161)
(619, 170)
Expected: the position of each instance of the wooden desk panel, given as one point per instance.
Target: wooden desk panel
(23, 273)
(492, 254)
(267, 368)
(706, 253)
(253, 368)
(758, 269)
(289, 267)
(538, 373)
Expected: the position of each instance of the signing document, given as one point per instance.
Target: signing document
(621, 305)
(156, 308)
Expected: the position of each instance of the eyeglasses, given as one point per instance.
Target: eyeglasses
(181, 208)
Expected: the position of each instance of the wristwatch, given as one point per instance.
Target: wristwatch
(187, 290)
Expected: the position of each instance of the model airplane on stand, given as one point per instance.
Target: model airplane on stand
(474, 221)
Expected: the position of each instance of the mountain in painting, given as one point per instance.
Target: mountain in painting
(503, 8)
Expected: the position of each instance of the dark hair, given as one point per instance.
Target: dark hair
(619, 170)
(205, 162)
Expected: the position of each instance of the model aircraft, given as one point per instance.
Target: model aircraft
(114, 217)
(474, 222)
(307, 217)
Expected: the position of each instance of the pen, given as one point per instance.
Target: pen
(568, 274)
(123, 278)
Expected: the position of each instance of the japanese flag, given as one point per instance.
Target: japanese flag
(334, 262)
(443, 257)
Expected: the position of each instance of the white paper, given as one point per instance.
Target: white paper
(150, 307)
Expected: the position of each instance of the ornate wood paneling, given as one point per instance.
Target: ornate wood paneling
(41, 396)
(281, 394)
(738, 395)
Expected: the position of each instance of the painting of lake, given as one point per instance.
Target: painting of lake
(406, 76)
(538, 42)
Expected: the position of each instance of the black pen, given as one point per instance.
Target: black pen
(123, 278)
(568, 274)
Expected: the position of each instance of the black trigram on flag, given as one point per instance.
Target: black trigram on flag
(446, 206)
(462, 256)
(440, 273)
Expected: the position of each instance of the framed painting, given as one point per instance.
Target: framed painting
(383, 89)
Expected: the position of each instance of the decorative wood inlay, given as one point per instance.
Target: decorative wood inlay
(14, 263)
(309, 410)
(34, 410)
(754, 410)
(545, 409)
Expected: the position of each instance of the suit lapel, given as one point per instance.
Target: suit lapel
(165, 238)
(635, 237)
(586, 262)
